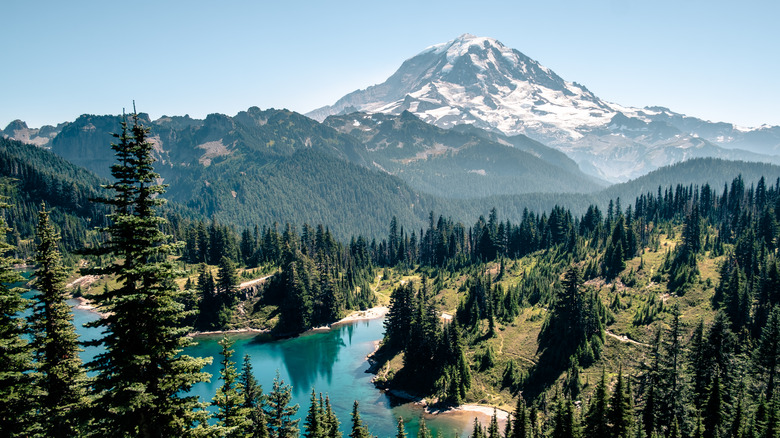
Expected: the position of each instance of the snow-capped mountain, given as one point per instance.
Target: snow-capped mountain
(479, 81)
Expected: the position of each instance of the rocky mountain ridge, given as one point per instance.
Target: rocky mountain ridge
(478, 81)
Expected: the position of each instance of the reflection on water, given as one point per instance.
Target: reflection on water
(333, 362)
(307, 360)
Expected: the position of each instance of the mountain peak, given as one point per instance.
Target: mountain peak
(16, 125)
(479, 81)
(463, 43)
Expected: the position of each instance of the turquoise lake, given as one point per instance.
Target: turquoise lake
(332, 362)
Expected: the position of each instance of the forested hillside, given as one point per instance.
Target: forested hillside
(261, 167)
(655, 316)
(31, 176)
(657, 319)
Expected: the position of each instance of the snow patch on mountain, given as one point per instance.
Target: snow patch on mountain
(479, 81)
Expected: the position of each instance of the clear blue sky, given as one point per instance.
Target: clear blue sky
(718, 60)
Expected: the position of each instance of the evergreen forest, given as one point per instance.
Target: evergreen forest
(656, 315)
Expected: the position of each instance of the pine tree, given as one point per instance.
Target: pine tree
(674, 429)
(738, 420)
(767, 355)
(16, 411)
(227, 281)
(653, 377)
(620, 414)
(565, 330)
(493, 431)
(422, 430)
(596, 424)
(699, 364)
(232, 416)
(772, 428)
(401, 432)
(312, 425)
(61, 380)
(398, 323)
(359, 430)
(713, 413)
(478, 431)
(253, 399)
(141, 376)
(698, 432)
(209, 305)
(672, 393)
(278, 412)
(331, 422)
(508, 427)
(520, 428)
(565, 424)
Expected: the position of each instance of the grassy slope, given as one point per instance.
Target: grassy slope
(517, 341)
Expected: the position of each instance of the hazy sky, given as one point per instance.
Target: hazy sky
(718, 60)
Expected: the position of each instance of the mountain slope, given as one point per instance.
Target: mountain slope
(459, 163)
(30, 176)
(478, 81)
(231, 167)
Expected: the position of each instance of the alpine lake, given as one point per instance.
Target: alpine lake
(331, 361)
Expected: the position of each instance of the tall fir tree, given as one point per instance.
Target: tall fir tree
(596, 423)
(493, 431)
(713, 411)
(313, 424)
(520, 427)
(422, 429)
(232, 416)
(16, 379)
(359, 430)
(620, 414)
(142, 376)
(253, 399)
(331, 423)
(565, 423)
(477, 431)
(61, 380)
(279, 413)
(767, 355)
(227, 280)
(401, 433)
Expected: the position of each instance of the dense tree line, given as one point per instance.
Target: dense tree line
(434, 358)
(721, 381)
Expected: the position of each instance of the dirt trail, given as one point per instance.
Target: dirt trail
(249, 283)
(626, 339)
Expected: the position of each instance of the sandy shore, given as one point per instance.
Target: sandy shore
(85, 304)
(454, 410)
(372, 313)
(467, 413)
(464, 414)
(358, 315)
(486, 410)
(233, 331)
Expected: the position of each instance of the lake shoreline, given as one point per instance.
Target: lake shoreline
(433, 409)
(86, 304)
(358, 315)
